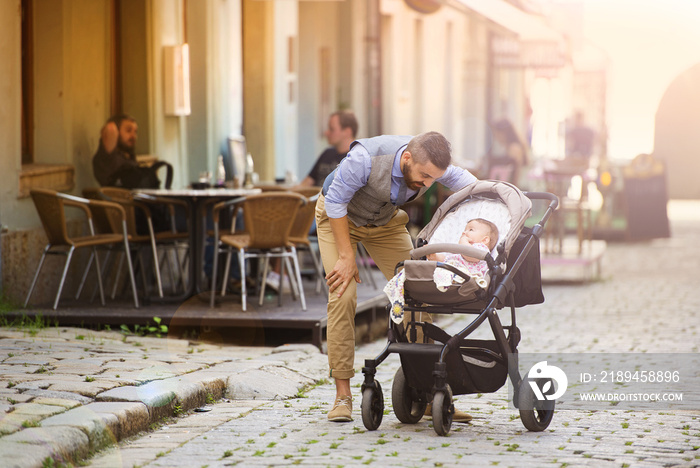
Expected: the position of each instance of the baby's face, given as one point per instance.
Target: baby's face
(475, 232)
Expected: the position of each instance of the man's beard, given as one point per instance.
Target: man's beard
(130, 150)
(410, 183)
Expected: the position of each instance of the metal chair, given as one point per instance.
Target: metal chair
(268, 222)
(559, 182)
(171, 238)
(50, 206)
(300, 236)
(125, 198)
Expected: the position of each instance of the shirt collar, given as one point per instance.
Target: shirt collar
(396, 168)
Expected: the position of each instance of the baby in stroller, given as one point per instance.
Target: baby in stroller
(437, 365)
(479, 233)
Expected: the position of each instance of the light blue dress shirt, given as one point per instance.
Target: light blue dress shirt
(353, 173)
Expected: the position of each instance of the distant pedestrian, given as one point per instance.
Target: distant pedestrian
(508, 154)
(580, 139)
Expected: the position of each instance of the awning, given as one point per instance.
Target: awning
(532, 44)
(528, 27)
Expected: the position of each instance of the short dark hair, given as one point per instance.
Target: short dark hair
(431, 146)
(347, 119)
(119, 118)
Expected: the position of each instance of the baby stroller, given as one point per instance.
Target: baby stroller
(442, 365)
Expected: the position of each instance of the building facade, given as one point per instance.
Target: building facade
(271, 71)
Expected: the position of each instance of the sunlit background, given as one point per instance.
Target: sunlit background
(649, 44)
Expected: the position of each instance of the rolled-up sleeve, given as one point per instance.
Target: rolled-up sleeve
(456, 178)
(351, 175)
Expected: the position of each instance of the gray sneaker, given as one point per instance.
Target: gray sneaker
(342, 409)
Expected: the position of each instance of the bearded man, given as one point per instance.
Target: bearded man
(360, 203)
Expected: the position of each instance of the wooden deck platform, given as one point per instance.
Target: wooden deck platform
(570, 265)
(264, 324)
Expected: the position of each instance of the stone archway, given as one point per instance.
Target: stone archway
(677, 134)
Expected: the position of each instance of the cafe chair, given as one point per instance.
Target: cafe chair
(170, 238)
(104, 222)
(51, 208)
(573, 203)
(299, 235)
(137, 240)
(268, 221)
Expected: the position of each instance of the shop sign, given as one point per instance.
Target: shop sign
(509, 52)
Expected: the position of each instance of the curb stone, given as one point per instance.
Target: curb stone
(68, 431)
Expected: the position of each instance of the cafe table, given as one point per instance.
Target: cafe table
(197, 199)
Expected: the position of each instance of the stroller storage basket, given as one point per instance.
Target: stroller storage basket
(468, 371)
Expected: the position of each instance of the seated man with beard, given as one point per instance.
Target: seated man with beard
(114, 163)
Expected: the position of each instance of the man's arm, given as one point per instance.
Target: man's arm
(349, 177)
(346, 267)
(110, 135)
(455, 178)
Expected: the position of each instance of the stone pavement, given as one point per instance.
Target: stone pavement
(66, 393)
(270, 403)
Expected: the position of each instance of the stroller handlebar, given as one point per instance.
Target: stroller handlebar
(553, 204)
(553, 199)
(467, 250)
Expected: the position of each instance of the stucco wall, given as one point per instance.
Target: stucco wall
(677, 135)
(12, 211)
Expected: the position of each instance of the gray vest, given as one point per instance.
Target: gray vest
(372, 203)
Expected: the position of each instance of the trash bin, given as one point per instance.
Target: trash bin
(646, 198)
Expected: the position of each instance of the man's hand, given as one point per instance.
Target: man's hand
(343, 271)
(345, 268)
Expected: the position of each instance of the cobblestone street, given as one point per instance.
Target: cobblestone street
(646, 302)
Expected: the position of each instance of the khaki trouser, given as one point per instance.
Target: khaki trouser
(387, 245)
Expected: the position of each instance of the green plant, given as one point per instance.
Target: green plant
(89, 379)
(158, 329)
(31, 325)
(177, 410)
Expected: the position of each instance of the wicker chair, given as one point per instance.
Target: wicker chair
(300, 236)
(268, 221)
(126, 199)
(50, 206)
(171, 239)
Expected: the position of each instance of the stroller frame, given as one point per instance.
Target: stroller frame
(411, 392)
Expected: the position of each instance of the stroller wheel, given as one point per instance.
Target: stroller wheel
(372, 406)
(443, 409)
(408, 409)
(535, 414)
